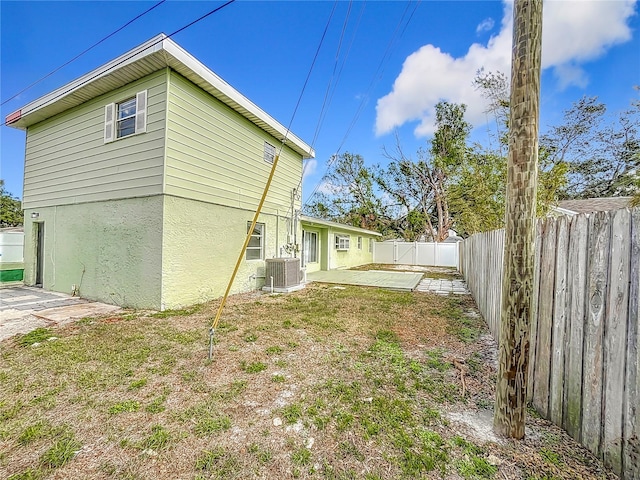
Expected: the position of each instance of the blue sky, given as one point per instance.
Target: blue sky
(395, 61)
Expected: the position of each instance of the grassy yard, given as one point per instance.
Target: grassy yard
(326, 383)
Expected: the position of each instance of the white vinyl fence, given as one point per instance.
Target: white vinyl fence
(11, 247)
(430, 254)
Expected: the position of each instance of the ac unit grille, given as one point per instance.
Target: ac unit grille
(285, 272)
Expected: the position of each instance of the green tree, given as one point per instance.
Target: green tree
(351, 196)
(476, 194)
(552, 175)
(601, 155)
(421, 187)
(10, 208)
(411, 185)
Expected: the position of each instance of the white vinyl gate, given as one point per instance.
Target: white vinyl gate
(430, 254)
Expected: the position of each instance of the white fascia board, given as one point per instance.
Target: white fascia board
(327, 223)
(564, 211)
(151, 46)
(179, 59)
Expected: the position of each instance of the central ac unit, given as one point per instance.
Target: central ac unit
(284, 271)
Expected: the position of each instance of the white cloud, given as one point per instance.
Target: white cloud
(574, 32)
(328, 188)
(486, 25)
(570, 74)
(309, 168)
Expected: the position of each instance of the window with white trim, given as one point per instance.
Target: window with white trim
(342, 242)
(255, 249)
(125, 118)
(269, 152)
(359, 243)
(310, 242)
(371, 245)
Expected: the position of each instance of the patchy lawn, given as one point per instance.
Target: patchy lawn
(326, 383)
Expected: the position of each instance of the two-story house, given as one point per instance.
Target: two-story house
(142, 177)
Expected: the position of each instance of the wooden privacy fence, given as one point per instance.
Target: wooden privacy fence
(584, 367)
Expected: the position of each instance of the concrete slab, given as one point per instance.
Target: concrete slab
(406, 281)
(443, 287)
(20, 325)
(23, 309)
(295, 288)
(64, 314)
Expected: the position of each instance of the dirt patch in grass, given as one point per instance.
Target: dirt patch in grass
(323, 383)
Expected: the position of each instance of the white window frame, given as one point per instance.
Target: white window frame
(112, 121)
(310, 244)
(269, 152)
(371, 245)
(342, 242)
(359, 243)
(258, 233)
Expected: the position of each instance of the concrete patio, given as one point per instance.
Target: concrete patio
(405, 281)
(23, 309)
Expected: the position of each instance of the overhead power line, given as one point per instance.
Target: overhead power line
(331, 85)
(397, 34)
(306, 81)
(61, 94)
(327, 94)
(83, 52)
(216, 320)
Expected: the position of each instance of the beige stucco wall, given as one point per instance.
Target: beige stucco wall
(201, 245)
(111, 250)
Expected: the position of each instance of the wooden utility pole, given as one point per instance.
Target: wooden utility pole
(522, 179)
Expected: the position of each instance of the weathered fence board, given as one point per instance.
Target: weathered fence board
(615, 339)
(545, 317)
(559, 323)
(599, 228)
(533, 332)
(584, 361)
(577, 267)
(631, 423)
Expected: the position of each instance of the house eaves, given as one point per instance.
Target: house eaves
(590, 205)
(316, 222)
(157, 53)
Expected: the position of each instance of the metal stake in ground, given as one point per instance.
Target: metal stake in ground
(212, 331)
(216, 320)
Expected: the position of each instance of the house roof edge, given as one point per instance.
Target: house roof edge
(329, 223)
(171, 55)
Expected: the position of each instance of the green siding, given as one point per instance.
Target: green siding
(154, 220)
(215, 155)
(67, 161)
(111, 250)
(329, 257)
(201, 243)
(352, 257)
